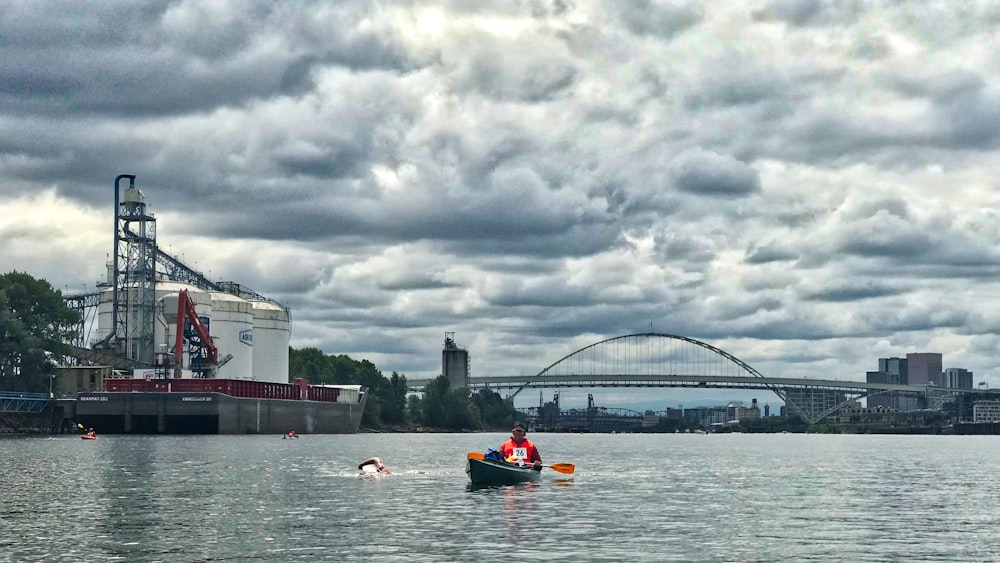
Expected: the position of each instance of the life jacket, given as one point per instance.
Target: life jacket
(523, 454)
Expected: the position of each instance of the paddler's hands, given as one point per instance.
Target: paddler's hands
(537, 466)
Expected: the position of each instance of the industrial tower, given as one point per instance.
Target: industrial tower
(455, 363)
(135, 311)
(133, 277)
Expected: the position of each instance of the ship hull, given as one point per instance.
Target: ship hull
(214, 413)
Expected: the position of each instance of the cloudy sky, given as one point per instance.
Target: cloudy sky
(808, 185)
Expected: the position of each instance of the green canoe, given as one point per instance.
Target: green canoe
(489, 472)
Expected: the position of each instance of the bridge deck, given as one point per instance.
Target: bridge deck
(701, 381)
(23, 402)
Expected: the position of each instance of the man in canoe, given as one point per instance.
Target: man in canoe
(376, 465)
(519, 450)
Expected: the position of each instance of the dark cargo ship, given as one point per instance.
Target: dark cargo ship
(219, 406)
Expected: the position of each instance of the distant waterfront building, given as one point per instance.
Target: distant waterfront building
(957, 378)
(675, 414)
(986, 411)
(924, 369)
(937, 397)
(963, 405)
(706, 417)
(856, 414)
(891, 371)
(736, 411)
(650, 419)
(548, 413)
(884, 400)
(894, 366)
(813, 400)
(916, 369)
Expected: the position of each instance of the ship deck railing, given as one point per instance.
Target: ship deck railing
(300, 390)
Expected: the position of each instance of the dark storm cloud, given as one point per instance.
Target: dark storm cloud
(538, 293)
(599, 319)
(970, 119)
(962, 105)
(748, 307)
(705, 173)
(675, 247)
(509, 72)
(324, 161)
(645, 17)
(913, 317)
(850, 291)
(746, 81)
(770, 253)
(887, 244)
(166, 58)
(416, 280)
(574, 241)
(808, 12)
(888, 231)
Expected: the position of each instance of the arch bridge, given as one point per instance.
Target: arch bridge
(654, 359)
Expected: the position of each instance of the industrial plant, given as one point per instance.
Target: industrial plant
(162, 349)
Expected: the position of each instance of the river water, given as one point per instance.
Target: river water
(633, 497)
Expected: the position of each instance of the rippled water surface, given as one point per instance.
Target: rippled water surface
(661, 497)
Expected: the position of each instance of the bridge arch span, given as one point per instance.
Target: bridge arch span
(634, 356)
(633, 338)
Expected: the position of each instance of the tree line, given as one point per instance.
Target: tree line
(35, 323)
(391, 405)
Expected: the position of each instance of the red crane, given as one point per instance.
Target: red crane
(206, 355)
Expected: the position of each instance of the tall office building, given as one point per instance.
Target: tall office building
(895, 368)
(924, 369)
(957, 378)
(891, 371)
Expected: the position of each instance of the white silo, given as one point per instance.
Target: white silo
(106, 320)
(168, 294)
(233, 333)
(271, 333)
(105, 314)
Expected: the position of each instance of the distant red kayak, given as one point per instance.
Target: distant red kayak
(88, 437)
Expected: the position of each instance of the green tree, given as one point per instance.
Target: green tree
(34, 324)
(496, 411)
(414, 410)
(432, 405)
(394, 403)
(310, 364)
(386, 402)
(444, 407)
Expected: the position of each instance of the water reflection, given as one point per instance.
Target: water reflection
(519, 503)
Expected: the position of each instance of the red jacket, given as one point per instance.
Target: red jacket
(530, 451)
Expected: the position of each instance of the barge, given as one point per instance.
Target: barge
(218, 406)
